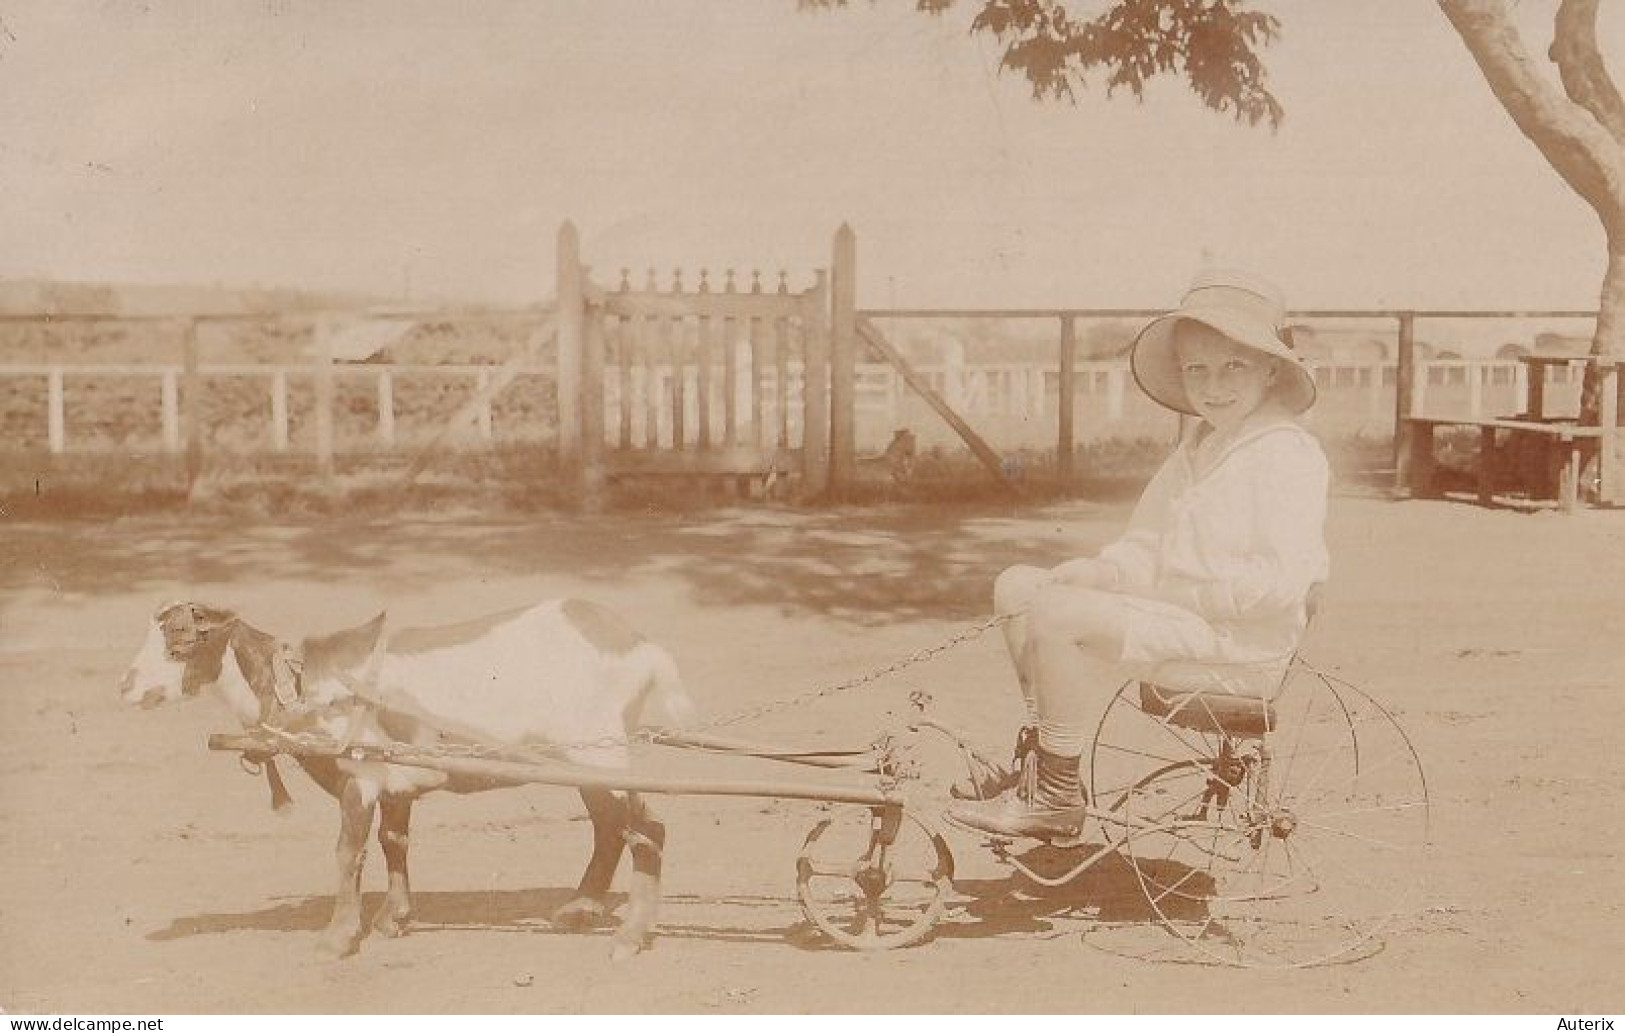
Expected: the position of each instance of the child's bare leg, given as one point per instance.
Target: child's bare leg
(1074, 638)
(1013, 592)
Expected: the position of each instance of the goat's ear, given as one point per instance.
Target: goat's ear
(344, 650)
(207, 618)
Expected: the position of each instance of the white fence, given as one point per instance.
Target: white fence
(1012, 404)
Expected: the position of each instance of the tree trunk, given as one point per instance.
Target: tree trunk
(1609, 341)
(1580, 129)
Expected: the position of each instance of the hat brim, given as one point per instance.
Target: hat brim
(1156, 366)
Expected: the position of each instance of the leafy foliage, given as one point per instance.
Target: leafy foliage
(1214, 44)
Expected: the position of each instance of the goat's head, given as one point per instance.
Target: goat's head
(179, 656)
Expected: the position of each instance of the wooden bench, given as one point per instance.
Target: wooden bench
(1423, 482)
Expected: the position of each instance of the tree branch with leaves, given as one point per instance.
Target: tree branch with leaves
(1215, 45)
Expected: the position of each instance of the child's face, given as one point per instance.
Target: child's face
(1225, 382)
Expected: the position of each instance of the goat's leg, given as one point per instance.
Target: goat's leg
(394, 833)
(608, 815)
(358, 802)
(647, 836)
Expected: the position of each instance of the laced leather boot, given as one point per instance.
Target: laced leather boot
(1054, 809)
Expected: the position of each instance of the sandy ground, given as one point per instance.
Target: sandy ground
(146, 874)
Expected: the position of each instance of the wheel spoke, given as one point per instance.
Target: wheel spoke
(1147, 754)
(1297, 743)
(1382, 809)
(1379, 844)
(1193, 749)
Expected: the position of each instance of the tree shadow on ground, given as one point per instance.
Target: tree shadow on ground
(878, 564)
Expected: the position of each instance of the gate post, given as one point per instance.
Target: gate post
(843, 363)
(815, 389)
(592, 407)
(323, 375)
(570, 302)
(191, 405)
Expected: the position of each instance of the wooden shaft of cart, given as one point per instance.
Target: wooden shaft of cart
(859, 759)
(520, 772)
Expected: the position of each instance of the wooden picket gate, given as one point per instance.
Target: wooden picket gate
(692, 382)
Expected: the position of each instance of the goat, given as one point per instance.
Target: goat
(562, 671)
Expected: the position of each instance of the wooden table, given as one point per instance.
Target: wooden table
(1561, 432)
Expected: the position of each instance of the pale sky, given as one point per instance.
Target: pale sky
(373, 146)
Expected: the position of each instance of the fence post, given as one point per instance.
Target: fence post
(169, 396)
(55, 424)
(781, 370)
(1115, 377)
(592, 409)
(386, 408)
(279, 410)
(1065, 396)
(570, 301)
(323, 376)
(815, 422)
(1404, 399)
(191, 404)
(843, 362)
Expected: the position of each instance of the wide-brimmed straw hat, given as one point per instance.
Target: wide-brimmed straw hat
(1245, 308)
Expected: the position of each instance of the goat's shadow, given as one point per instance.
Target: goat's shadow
(1107, 894)
(524, 911)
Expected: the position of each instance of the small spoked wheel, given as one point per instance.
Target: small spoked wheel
(1273, 835)
(874, 879)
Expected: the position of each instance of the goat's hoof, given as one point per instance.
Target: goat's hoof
(625, 949)
(392, 925)
(334, 946)
(580, 914)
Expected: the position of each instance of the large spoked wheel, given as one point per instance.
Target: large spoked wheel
(1270, 835)
(874, 879)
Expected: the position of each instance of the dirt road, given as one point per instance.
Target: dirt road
(145, 874)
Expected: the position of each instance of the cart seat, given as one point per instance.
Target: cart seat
(1246, 717)
(1233, 699)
